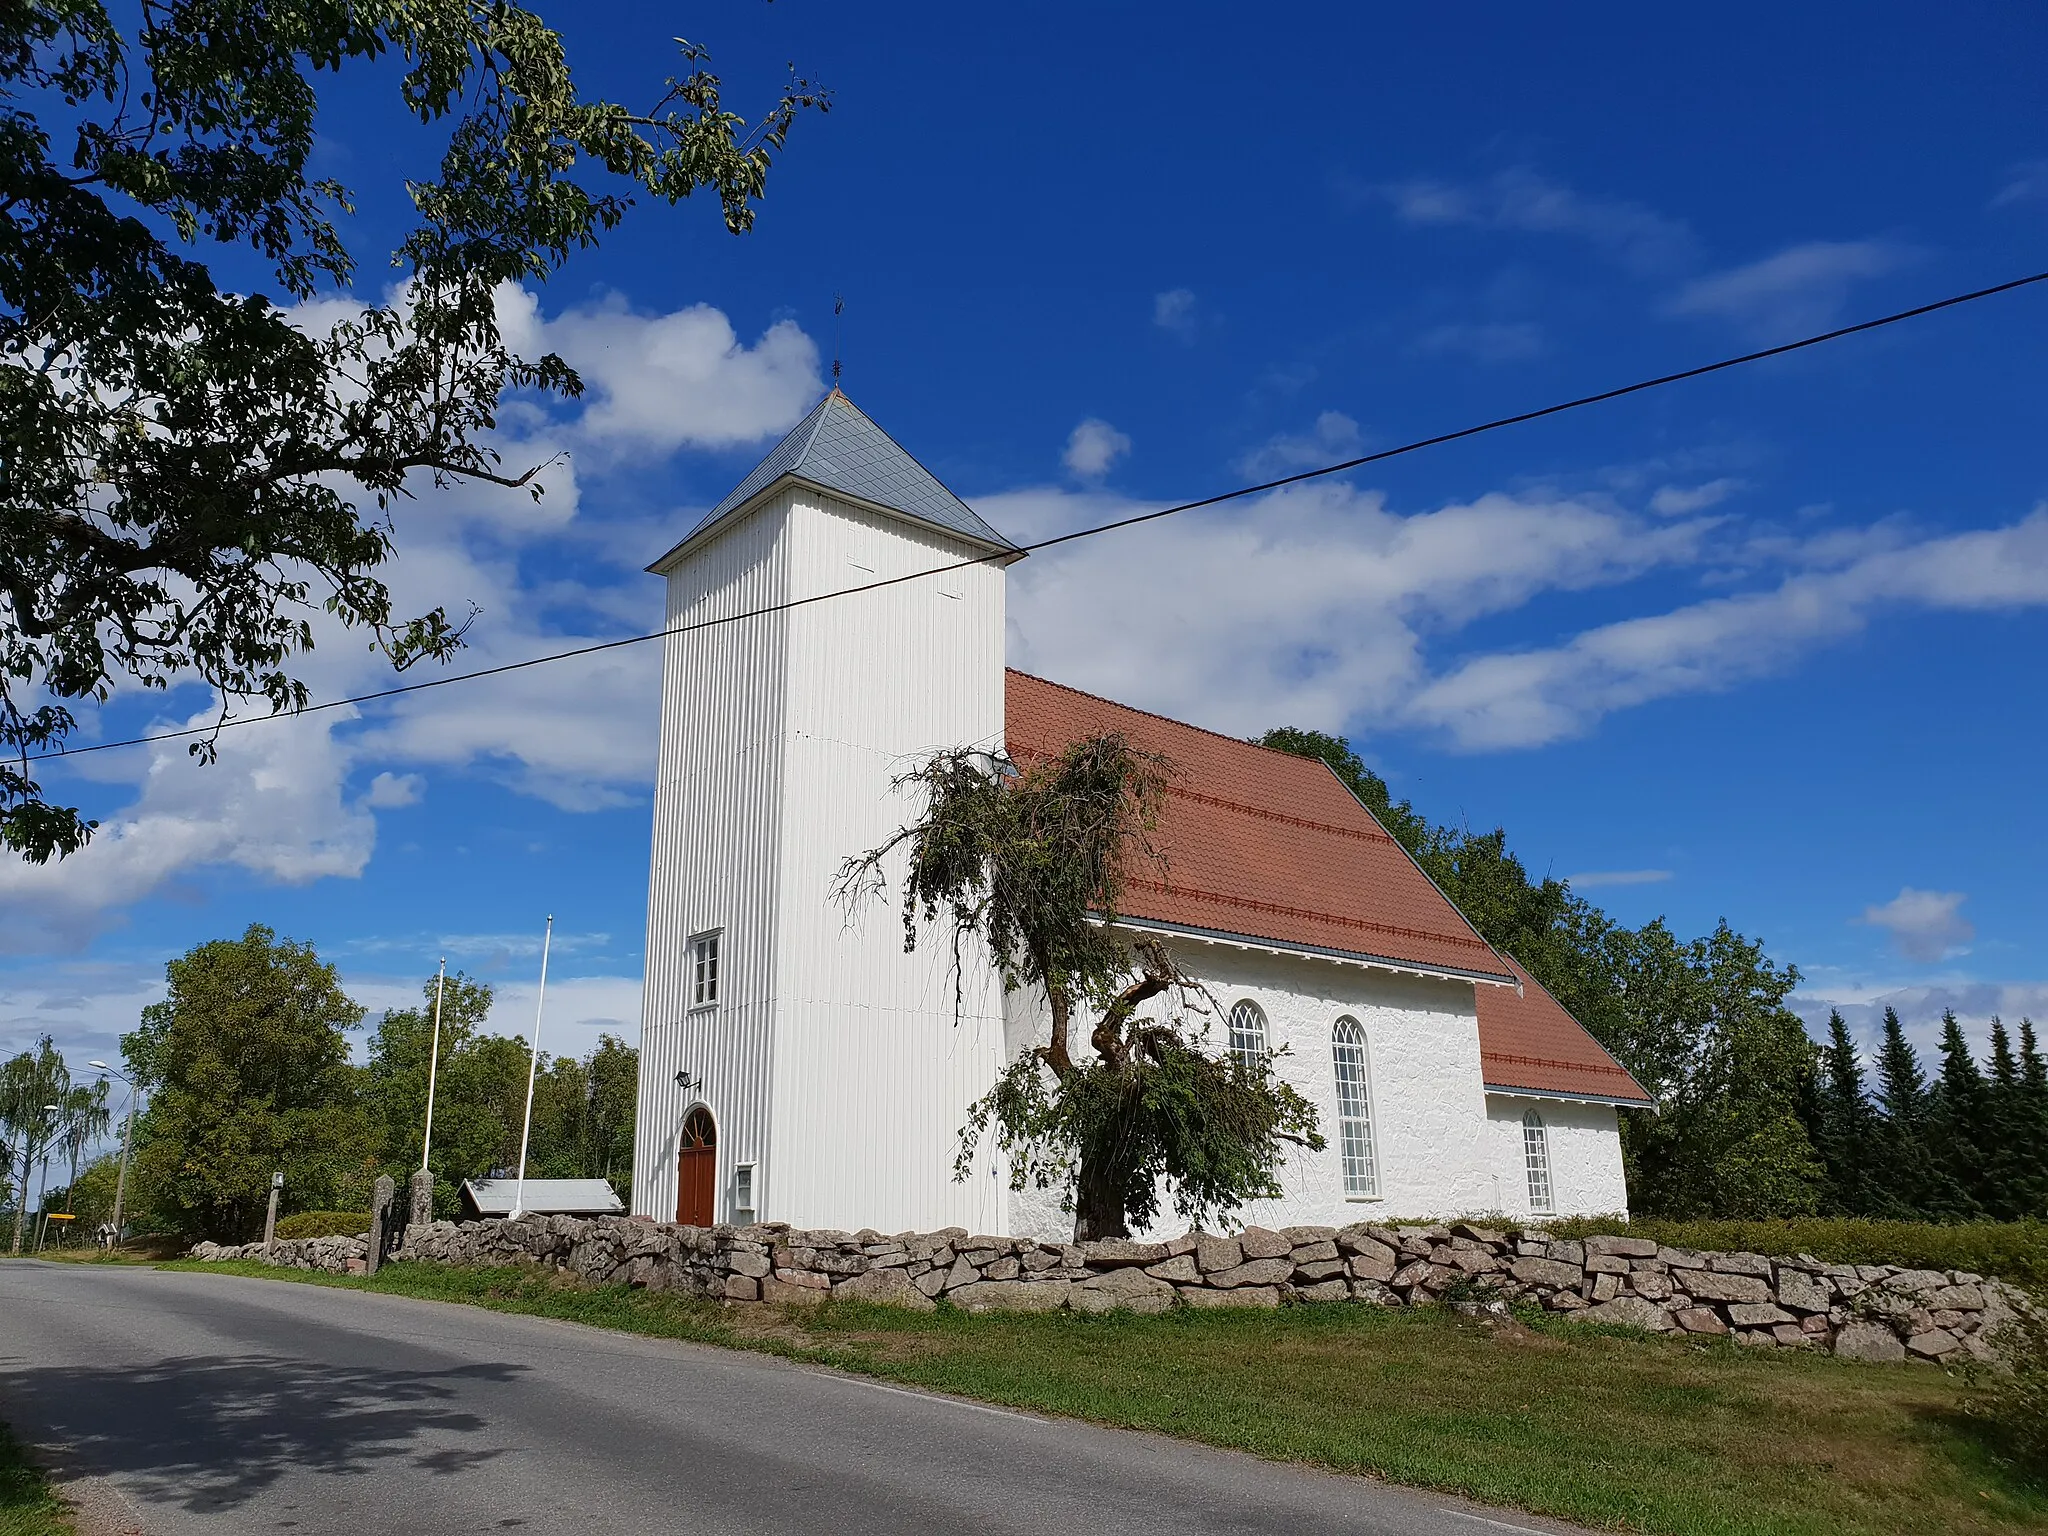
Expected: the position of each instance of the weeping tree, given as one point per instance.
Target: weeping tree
(1031, 863)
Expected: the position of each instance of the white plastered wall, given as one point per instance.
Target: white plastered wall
(1585, 1154)
(1427, 1096)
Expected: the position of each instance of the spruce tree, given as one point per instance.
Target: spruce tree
(1956, 1128)
(2033, 1134)
(2007, 1192)
(1905, 1177)
(1845, 1132)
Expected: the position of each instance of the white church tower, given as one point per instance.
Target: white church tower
(795, 1063)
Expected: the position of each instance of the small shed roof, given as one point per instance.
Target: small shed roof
(546, 1197)
(837, 447)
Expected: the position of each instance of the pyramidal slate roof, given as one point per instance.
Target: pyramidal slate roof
(838, 448)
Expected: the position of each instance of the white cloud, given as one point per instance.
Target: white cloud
(1920, 1005)
(390, 791)
(1924, 925)
(1639, 238)
(655, 383)
(1801, 288)
(1682, 501)
(1174, 311)
(1312, 606)
(2027, 183)
(271, 805)
(1529, 698)
(1092, 447)
(1334, 438)
(1599, 877)
(1495, 342)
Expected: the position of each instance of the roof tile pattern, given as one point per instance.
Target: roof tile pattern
(1264, 845)
(1529, 1041)
(1260, 843)
(838, 447)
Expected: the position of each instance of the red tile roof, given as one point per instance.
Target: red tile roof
(1527, 1041)
(1264, 845)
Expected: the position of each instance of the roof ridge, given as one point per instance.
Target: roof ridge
(1153, 714)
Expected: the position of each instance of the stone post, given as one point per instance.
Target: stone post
(269, 1218)
(422, 1198)
(380, 1221)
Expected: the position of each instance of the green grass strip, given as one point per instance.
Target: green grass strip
(28, 1505)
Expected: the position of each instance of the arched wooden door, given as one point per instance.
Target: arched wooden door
(697, 1169)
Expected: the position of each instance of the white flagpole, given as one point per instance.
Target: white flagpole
(433, 1064)
(532, 1066)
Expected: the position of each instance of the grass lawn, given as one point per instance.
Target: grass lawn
(1587, 1424)
(27, 1506)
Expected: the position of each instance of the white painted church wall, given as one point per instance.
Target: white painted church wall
(1428, 1102)
(873, 1068)
(1585, 1154)
(713, 859)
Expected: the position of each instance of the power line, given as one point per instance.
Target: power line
(1082, 533)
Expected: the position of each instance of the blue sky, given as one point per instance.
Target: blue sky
(1764, 646)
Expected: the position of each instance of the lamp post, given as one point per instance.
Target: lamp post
(127, 1140)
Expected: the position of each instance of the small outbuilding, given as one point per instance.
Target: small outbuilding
(544, 1197)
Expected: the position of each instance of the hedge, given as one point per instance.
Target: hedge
(325, 1224)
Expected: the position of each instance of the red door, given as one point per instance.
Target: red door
(697, 1169)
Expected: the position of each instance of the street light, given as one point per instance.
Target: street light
(127, 1139)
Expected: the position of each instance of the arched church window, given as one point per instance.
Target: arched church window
(1354, 1109)
(1248, 1035)
(1536, 1158)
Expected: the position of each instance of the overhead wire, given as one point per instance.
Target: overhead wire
(1093, 531)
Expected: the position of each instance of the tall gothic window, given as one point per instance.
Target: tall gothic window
(1536, 1157)
(1248, 1035)
(1354, 1109)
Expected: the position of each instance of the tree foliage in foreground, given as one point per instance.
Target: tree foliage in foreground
(1032, 863)
(182, 457)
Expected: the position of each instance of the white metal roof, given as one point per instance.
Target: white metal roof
(549, 1197)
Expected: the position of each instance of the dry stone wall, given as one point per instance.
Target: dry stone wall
(1864, 1311)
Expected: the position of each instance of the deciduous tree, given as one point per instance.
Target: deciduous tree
(185, 458)
(247, 1060)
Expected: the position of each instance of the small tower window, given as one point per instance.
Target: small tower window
(1536, 1158)
(1248, 1035)
(1354, 1110)
(704, 970)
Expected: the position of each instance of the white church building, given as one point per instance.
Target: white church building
(796, 1064)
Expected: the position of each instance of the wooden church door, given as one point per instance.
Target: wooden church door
(697, 1169)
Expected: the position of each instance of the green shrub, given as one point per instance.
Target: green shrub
(2014, 1399)
(2010, 1250)
(325, 1224)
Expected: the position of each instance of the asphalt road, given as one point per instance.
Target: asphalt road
(213, 1403)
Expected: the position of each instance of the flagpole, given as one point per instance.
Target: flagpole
(433, 1063)
(532, 1067)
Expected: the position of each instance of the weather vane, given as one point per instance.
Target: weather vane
(838, 309)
